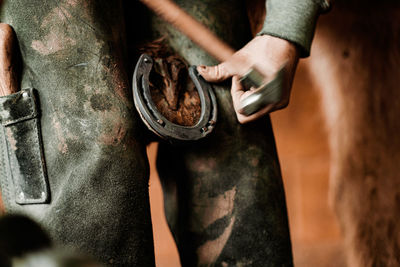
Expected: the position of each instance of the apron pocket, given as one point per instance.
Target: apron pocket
(21, 126)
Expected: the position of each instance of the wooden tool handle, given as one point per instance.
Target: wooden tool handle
(8, 75)
(196, 31)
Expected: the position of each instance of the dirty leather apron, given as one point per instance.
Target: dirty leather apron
(224, 195)
(74, 54)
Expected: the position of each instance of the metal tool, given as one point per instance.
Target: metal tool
(202, 36)
(156, 122)
(264, 94)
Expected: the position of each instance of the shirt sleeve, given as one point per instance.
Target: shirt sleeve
(294, 20)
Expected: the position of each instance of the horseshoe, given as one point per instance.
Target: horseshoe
(156, 122)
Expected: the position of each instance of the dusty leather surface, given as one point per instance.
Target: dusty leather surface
(73, 53)
(224, 195)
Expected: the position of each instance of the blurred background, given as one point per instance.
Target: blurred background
(304, 156)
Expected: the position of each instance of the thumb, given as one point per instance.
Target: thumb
(216, 73)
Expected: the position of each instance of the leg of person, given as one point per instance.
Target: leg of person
(96, 200)
(355, 64)
(224, 196)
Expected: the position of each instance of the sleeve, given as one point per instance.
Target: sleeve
(294, 20)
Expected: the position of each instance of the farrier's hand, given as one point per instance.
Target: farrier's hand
(267, 54)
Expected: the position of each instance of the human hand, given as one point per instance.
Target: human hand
(265, 53)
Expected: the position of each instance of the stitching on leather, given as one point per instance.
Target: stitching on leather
(25, 118)
(11, 166)
(7, 194)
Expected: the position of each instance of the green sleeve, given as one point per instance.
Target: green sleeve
(293, 20)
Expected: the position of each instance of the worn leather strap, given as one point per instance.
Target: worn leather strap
(21, 128)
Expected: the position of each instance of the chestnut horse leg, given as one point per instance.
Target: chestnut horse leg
(355, 62)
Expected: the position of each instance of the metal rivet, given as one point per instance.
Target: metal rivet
(146, 60)
(21, 196)
(25, 94)
(161, 122)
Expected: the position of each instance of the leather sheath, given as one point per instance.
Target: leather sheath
(19, 115)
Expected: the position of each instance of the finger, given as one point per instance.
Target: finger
(237, 91)
(238, 94)
(216, 73)
(8, 77)
(245, 119)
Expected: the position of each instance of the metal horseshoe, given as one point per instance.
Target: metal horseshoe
(156, 122)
